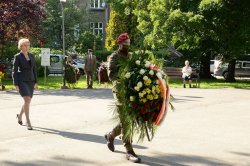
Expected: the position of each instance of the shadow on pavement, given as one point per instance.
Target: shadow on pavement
(81, 136)
(241, 154)
(178, 100)
(176, 159)
(57, 160)
(82, 93)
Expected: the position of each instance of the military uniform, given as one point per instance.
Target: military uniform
(113, 69)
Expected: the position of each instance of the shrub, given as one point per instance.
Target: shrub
(112, 31)
(101, 55)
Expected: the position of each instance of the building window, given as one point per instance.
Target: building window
(97, 28)
(97, 4)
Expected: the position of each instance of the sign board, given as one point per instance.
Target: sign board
(45, 57)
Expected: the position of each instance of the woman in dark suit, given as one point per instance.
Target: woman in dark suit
(24, 78)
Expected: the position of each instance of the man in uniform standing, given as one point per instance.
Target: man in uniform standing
(113, 68)
(89, 67)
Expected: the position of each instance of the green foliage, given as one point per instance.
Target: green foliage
(112, 31)
(10, 51)
(123, 19)
(52, 26)
(85, 42)
(88, 41)
(101, 55)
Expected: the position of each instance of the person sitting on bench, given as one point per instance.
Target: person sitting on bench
(187, 74)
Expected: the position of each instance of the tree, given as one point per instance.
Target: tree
(85, 42)
(229, 22)
(113, 31)
(123, 19)
(199, 28)
(52, 31)
(20, 18)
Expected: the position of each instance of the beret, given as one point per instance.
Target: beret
(122, 37)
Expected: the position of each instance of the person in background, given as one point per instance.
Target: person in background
(89, 68)
(187, 74)
(24, 78)
(218, 65)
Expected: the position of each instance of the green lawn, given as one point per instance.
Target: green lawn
(55, 82)
(214, 83)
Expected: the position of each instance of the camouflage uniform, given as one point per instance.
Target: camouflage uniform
(113, 68)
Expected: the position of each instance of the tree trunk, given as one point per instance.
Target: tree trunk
(205, 67)
(231, 71)
(1, 48)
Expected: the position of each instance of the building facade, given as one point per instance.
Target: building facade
(97, 16)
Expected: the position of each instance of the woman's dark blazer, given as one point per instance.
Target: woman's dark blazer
(24, 70)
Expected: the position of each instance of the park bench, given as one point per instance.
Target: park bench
(176, 73)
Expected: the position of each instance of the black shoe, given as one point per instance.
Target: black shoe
(110, 141)
(131, 156)
(19, 122)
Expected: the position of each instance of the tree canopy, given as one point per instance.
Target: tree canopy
(20, 18)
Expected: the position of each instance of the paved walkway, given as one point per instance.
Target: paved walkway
(209, 127)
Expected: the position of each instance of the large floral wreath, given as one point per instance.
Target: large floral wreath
(144, 95)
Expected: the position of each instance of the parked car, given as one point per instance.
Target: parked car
(242, 69)
(55, 66)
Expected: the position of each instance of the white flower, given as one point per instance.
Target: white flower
(127, 75)
(139, 84)
(147, 64)
(153, 87)
(138, 62)
(141, 95)
(136, 88)
(151, 72)
(159, 75)
(142, 71)
(145, 78)
(132, 98)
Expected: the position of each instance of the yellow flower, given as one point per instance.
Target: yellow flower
(144, 100)
(156, 97)
(147, 82)
(157, 89)
(148, 90)
(150, 97)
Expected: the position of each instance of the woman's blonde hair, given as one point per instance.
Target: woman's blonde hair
(22, 41)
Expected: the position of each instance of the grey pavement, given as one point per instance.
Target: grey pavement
(208, 127)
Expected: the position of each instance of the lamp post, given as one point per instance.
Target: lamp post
(63, 43)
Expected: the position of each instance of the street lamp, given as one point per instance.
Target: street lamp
(63, 44)
(63, 33)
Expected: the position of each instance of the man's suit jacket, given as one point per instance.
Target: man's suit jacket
(90, 64)
(24, 70)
